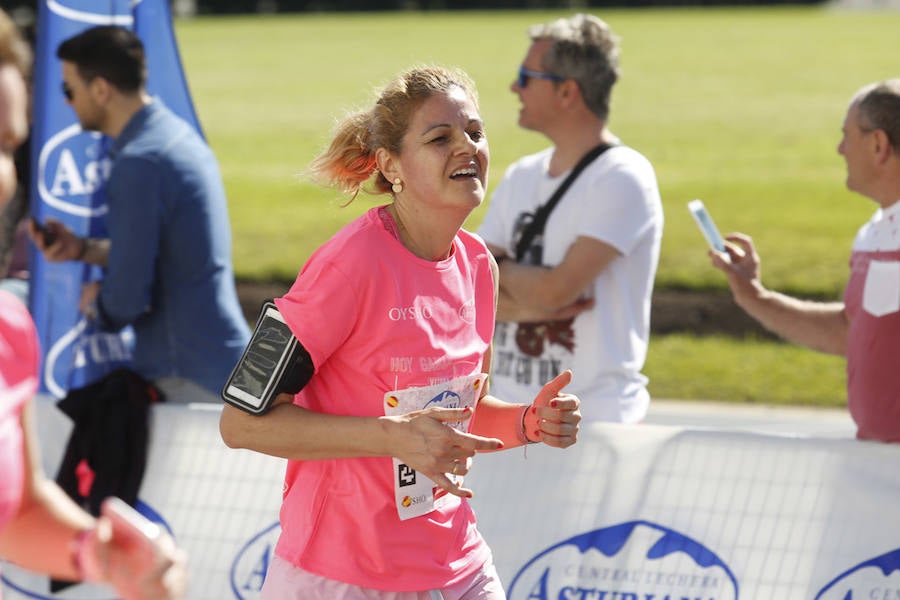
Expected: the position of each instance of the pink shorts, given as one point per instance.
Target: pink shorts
(285, 581)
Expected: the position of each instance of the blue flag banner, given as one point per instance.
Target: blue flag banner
(153, 24)
(69, 168)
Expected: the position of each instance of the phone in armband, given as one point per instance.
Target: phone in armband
(706, 225)
(267, 366)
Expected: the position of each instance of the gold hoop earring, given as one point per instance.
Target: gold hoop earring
(397, 187)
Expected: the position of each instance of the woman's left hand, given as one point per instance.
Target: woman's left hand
(553, 417)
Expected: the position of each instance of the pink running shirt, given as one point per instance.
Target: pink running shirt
(18, 382)
(376, 318)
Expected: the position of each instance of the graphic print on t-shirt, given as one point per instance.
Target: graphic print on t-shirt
(531, 338)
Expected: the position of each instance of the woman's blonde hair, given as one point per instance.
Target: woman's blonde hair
(14, 50)
(349, 160)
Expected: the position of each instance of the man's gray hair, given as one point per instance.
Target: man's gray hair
(585, 49)
(879, 108)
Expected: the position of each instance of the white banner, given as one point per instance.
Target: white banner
(630, 513)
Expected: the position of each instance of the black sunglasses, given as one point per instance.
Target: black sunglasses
(67, 91)
(526, 74)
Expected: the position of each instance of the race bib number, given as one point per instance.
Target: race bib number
(415, 494)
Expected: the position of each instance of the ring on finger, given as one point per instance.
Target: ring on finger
(455, 466)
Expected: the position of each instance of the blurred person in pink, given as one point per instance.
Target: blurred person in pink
(41, 529)
(395, 315)
(14, 241)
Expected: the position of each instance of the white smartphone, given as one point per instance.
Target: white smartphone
(706, 225)
(254, 383)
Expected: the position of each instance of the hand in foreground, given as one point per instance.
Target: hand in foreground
(432, 447)
(134, 555)
(58, 244)
(553, 417)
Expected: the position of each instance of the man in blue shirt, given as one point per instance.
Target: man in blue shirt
(167, 260)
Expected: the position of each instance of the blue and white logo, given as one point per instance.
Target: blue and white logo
(75, 11)
(877, 577)
(446, 399)
(248, 571)
(77, 352)
(637, 560)
(70, 169)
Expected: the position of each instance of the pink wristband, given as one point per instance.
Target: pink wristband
(86, 563)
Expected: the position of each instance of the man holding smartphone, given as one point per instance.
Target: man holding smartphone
(865, 327)
(167, 261)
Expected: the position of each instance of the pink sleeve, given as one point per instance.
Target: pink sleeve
(19, 349)
(321, 308)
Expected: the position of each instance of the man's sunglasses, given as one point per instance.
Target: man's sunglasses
(67, 91)
(526, 74)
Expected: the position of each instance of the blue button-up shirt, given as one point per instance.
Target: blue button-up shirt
(169, 273)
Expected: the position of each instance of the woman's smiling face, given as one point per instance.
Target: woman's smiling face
(444, 157)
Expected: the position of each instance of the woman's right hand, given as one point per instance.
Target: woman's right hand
(427, 443)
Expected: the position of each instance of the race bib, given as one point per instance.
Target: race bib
(415, 494)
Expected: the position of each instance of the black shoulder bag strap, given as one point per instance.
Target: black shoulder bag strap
(537, 224)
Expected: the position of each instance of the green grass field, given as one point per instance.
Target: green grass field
(739, 107)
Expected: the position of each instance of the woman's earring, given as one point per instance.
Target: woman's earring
(397, 187)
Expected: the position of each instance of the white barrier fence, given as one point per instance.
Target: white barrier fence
(630, 513)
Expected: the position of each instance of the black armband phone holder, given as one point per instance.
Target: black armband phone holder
(273, 363)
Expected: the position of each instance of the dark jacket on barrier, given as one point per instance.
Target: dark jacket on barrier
(107, 450)
(110, 437)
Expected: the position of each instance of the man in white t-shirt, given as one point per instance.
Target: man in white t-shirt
(579, 296)
(865, 327)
